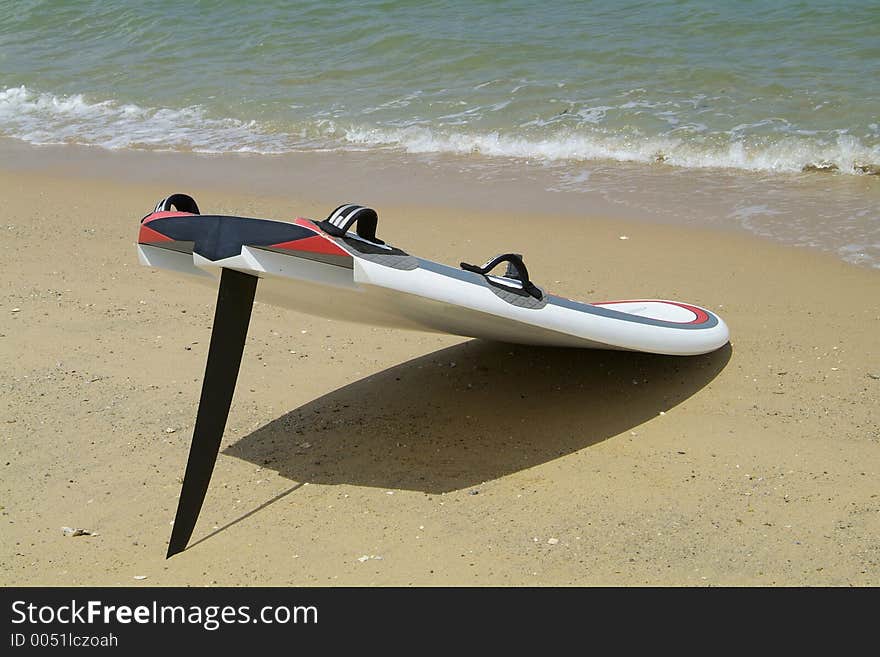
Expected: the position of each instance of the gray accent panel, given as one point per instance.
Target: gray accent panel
(711, 322)
(179, 246)
(519, 300)
(327, 258)
(452, 272)
(470, 277)
(404, 262)
(399, 260)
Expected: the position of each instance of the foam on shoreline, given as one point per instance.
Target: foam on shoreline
(43, 118)
(836, 214)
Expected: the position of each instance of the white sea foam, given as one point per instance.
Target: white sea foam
(43, 118)
(788, 154)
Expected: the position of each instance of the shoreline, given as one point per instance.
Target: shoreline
(791, 209)
(751, 466)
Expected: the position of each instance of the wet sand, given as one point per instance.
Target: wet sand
(363, 456)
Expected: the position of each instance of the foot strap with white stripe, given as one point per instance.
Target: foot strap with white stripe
(345, 216)
(182, 202)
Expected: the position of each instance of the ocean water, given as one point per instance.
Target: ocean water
(764, 88)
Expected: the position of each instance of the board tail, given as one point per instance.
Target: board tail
(235, 299)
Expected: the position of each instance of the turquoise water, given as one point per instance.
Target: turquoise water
(698, 111)
(767, 86)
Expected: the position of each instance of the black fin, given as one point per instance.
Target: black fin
(235, 299)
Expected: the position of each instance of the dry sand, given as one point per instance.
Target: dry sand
(363, 456)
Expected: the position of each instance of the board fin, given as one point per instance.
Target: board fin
(235, 299)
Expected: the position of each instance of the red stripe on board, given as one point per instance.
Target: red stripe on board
(701, 315)
(315, 244)
(166, 213)
(149, 236)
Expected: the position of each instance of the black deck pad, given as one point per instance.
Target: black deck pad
(216, 237)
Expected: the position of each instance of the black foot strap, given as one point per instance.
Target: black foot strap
(516, 271)
(182, 202)
(345, 216)
(235, 299)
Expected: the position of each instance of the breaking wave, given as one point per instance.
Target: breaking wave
(44, 118)
(845, 154)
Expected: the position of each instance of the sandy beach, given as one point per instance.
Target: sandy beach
(363, 456)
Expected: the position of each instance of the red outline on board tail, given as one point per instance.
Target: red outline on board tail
(167, 213)
(701, 315)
